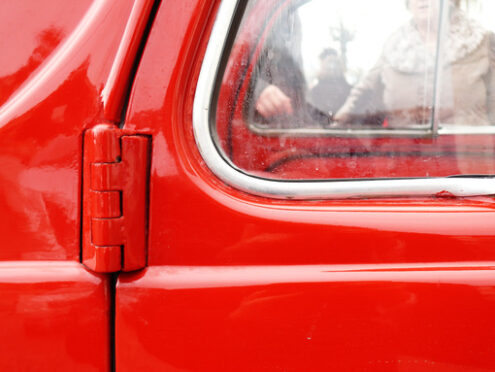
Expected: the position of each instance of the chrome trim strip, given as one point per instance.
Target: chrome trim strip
(443, 19)
(447, 129)
(444, 129)
(300, 189)
(340, 132)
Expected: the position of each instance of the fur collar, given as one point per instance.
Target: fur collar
(405, 50)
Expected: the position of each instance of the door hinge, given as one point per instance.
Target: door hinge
(115, 188)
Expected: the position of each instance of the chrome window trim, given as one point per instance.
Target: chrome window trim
(339, 132)
(318, 189)
(443, 130)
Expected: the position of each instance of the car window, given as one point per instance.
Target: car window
(353, 89)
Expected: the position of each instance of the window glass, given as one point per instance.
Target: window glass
(352, 89)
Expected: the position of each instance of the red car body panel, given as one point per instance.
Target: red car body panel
(307, 318)
(42, 122)
(54, 316)
(65, 67)
(235, 281)
(240, 282)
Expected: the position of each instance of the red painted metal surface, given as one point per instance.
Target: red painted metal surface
(119, 78)
(410, 299)
(300, 308)
(195, 219)
(54, 316)
(60, 70)
(114, 199)
(308, 318)
(30, 37)
(65, 66)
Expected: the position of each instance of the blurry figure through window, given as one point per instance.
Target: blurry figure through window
(405, 74)
(279, 85)
(332, 88)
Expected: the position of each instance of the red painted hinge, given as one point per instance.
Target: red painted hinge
(115, 186)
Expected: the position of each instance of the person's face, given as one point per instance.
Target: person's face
(424, 11)
(331, 66)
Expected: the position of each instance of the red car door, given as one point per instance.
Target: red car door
(65, 67)
(239, 278)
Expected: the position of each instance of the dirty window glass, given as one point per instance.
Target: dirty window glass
(352, 89)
